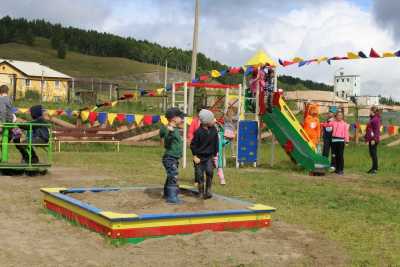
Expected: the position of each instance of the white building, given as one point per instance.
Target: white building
(346, 86)
(367, 100)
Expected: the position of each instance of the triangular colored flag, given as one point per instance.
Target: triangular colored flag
(60, 112)
(321, 59)
(130, 118)
(215, 74)
(84, 115)
(388, 54)
(303, 63)
(111, 117)
(23, 110)
(223, 73)
(195, 81)
(235, 70)
(203, 77)
(68, 112)
(362, 55)
(160, 91)
(155, 119)
(52, 112)
(92, 117)
(114, 103)
(189, 120)
(297, 59)
(280, 62)
(373, 53)
(163, 120)
(14, 110)
(120, 117)
(249, 71)
(138, 119)
(147, 120)
(102, 117)
(397, 54)
(352, 55)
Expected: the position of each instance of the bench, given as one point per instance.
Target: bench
(84, 135)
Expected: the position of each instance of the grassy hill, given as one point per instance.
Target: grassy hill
(76, 64)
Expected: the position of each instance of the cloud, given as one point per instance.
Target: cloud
(87, 14)
(386, 13)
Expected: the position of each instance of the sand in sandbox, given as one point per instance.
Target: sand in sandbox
(150, 201)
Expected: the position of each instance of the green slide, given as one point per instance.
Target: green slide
(293, 143)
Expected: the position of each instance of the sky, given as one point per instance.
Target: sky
(231, 31)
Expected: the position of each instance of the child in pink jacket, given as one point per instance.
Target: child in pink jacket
(340, 137)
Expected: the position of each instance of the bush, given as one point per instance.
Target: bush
(32, 95)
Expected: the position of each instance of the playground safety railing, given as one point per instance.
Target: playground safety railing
(7, 141)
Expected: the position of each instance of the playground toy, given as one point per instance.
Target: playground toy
(9, 164)
(292, 137)
(134, 228)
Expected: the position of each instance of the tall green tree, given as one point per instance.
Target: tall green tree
(62, 50)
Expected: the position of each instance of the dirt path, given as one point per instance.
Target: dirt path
(31, 237)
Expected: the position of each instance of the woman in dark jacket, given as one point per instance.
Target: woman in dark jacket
(372, 137)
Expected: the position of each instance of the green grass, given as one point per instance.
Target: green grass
(360, 212)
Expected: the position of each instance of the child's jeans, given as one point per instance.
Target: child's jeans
(205, 167)
(171, 165)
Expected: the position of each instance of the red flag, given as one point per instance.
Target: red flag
(204, 77)
(147, 120)
(235, 70)
(120, 117)
(92, 117)
(373, 53)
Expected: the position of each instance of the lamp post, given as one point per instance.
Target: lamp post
(166, 79)
(194, 56)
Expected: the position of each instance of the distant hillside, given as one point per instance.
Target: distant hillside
(103, 55)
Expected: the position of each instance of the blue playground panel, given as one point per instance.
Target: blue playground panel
(248, 141)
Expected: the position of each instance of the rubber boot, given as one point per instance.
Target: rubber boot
(172, 195)
(207, 194)
(201, 190)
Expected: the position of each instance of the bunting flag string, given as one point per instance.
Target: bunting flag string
(350, 55)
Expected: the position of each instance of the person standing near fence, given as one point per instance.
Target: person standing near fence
(372, 137)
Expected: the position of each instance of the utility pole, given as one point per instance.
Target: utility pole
(194, 56)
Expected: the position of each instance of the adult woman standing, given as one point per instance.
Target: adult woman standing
(372, 137)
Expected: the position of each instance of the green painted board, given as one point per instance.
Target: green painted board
(302, 154)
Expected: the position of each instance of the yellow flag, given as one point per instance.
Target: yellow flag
(53, 112)
(322, 59)
(215, 74)
(159, 91)
(76, 113)
(388, 54)
(84, 115)
(111, 117)
(163, 120)
(297, 59)
(138, 118)
(189, 120)
(363, 127)
(352, 55)
(114, 103)
(23, 110)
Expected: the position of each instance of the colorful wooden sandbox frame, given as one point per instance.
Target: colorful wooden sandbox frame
(135, 228)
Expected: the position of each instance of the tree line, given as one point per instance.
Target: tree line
(96, 43)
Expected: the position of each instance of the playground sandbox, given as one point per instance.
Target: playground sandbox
(137, 213)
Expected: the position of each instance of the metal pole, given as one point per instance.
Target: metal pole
(194, 55)
(41, 86)
(164, 99)
(173, 95)
(185, 109)
(273, 136)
